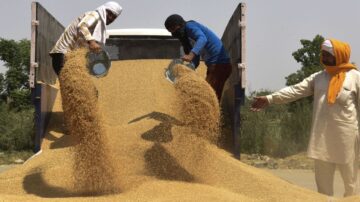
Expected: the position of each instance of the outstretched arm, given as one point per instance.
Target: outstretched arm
(289, 94)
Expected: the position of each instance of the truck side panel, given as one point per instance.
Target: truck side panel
(45, 32)
(234, 89)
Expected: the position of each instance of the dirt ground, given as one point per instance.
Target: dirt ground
(296, 169)
(297, 161)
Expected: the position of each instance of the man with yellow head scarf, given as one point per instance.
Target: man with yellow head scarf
(335, 133)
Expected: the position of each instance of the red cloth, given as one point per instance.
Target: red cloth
(216, 76)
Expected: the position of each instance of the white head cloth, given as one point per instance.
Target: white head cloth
(327, 46)
(100, 29)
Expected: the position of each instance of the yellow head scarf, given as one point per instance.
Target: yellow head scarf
(342, 54)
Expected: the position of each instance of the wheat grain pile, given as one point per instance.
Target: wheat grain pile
(145, 135)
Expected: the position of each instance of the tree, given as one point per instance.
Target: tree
(2, 83)
(16, 56)
(309, 58)
(2, 88)
(17, 115)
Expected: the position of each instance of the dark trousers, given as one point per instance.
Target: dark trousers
(216, 76)
(57, 62)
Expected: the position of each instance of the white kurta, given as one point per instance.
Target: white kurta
(335, 130)
(78, 33)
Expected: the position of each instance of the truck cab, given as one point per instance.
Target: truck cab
(131, 44)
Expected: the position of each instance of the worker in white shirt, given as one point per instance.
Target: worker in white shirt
(88, 30)
(335, 132)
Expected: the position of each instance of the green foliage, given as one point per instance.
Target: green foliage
(260, 132)
(278, 130)
(254, 127)
(295, 129)
(16, 56)
(9, 157)
(2, 87)
(16, 129)
(16, 110)
(2, 82)
(15, 79)
(309, 58)
(21, 99)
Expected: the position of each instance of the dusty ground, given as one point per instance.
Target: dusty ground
(14, 157)
(298, 161)
(306, 179)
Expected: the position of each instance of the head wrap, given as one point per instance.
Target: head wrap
(342, 55)
(100, 29)
(112, 6)
(174, 20)
(328, 47)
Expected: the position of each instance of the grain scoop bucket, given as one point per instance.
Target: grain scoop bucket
(169, 71)
(98, 63)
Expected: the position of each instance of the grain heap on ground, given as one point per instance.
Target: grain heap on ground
(157, 153)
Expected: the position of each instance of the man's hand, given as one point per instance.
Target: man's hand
(94, 46)
(259, 103)
(189, 57)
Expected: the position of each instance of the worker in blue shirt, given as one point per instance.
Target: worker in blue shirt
(198, 40)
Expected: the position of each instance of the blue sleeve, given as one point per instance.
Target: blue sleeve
(198, 35)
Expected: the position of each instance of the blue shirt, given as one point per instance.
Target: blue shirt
(206, 44)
